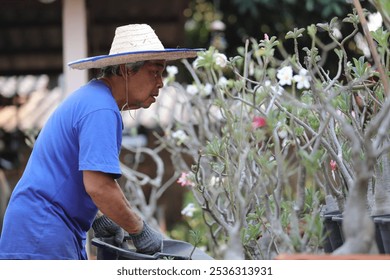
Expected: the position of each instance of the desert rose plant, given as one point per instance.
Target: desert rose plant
(275, 139)
(269, 140)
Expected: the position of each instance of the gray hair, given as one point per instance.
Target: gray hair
(114, 70)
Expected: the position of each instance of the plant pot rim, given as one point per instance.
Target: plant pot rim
(382, 219)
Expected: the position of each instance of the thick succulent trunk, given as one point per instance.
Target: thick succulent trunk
(358, 227)
(382, 188)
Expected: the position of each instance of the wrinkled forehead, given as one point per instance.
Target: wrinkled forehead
(158, 63)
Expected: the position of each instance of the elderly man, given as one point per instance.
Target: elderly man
(72, 171)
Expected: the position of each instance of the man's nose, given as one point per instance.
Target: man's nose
(160, 82)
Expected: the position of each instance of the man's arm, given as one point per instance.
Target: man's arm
(111, 201)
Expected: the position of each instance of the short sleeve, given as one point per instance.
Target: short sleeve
(100, 137)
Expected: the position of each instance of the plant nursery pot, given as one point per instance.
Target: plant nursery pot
(327, 244)
(332, 228)
(378, 236)
(338, 219)
(383, 224)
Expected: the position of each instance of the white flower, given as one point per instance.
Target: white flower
(208, 88)
(285, 75)
(192, 89)
(374, 21)
(337, 33)
(302, 79)
(180, 136)
(362, 44)
(220, 59)
(172, 70)
(222, 82)
(189, 210)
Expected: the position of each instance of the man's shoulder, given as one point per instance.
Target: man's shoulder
(95, 95)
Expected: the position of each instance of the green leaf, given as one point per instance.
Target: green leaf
(382, 37)
(295, 34)
(352, 18)
(360, 67)
(215, 147)
(312, 30)
(218, 167)
(324, 26)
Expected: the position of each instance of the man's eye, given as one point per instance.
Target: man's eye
(158, 74)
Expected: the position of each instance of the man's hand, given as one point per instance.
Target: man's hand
(148, 241)
(105, 227)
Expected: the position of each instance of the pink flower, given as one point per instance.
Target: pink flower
(258, 122)
(333, 165)
(266, 37)
(185, 180)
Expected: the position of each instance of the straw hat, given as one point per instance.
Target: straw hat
(134, 42)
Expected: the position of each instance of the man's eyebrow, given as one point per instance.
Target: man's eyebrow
(158, 64)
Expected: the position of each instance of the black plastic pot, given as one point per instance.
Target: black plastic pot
(378, 235)
(326, 244)
(333, 233)
(382, 231)
(338, 219)
(172, 250)
(382, 223)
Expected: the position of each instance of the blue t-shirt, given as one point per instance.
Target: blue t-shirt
(49, 212)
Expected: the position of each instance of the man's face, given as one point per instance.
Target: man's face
(144, 85)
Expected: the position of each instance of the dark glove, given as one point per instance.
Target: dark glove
(105, 227)
(148, 241)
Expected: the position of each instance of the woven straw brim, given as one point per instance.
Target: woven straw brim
(122, 58)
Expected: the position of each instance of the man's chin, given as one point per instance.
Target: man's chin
(146, 105)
